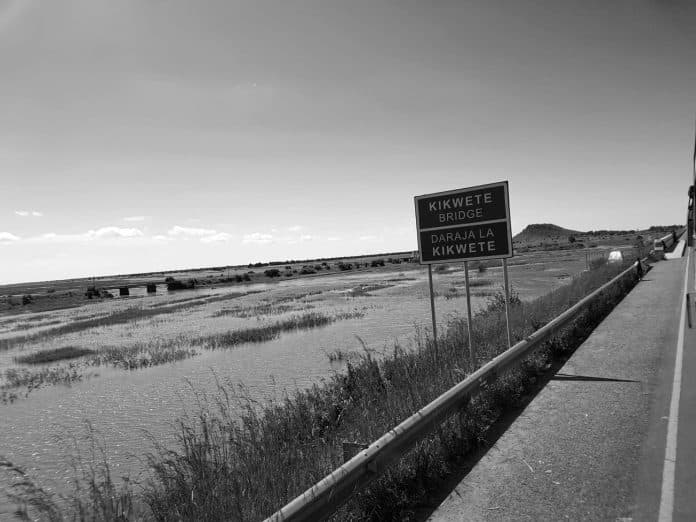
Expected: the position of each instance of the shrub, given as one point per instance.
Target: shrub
(272, 272)
(175, 284)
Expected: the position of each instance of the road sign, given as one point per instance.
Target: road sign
(465, 224)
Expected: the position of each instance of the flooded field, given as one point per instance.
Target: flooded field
(128, 391)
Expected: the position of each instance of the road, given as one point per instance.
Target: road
(604, 440)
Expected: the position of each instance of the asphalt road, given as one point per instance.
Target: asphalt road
(592, 445)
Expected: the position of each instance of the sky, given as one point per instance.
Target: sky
(146, 135)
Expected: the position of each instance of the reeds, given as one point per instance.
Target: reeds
(143, 355)
(271, 331)
(28, 380)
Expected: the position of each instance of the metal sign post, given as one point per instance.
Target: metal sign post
(472, 355)
(432, 305)
(464, 225)
(507, 301)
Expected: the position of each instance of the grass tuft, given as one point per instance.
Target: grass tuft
(57, 354)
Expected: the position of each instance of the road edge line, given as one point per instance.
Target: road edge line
(668, 471)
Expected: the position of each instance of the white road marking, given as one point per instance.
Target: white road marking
(667, 498)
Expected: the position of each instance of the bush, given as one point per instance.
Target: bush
(272, 272)
(175, 284)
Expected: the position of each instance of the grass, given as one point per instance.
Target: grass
(99, 499)
(29, 326)
(158, 352)
(143, 355)
(57, 354)
(15, 378)
(342, 355)
(364, 290)
(232, 466)
(271, 331)
(120, 317)
(260, 309)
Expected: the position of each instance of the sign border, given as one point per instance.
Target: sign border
(504, 184)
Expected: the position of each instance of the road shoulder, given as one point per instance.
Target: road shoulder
(583, 447)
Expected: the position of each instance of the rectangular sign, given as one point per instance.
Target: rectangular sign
(465, 224)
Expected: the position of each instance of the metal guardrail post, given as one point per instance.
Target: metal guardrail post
(327, 495)
(688, 308)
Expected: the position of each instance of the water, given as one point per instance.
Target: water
(41, 431)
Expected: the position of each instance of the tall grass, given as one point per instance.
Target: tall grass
(29, 380)
(143, 354)
(232, 466)
(272, 331)
(99, 496)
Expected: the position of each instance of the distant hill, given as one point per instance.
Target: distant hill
(543, 231)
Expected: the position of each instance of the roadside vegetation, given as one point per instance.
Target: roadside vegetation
(232, 466)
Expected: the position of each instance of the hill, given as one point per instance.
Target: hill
(543, 231)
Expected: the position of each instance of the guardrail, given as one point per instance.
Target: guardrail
(670, 239)
(327, 495)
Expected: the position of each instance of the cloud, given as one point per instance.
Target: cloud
(135, 218)
(160, 237)
(25, 213)
(333, 238)
(306, 237)
(368, 238)
(295, 228)
(216, 238)
(7, 238)
(257, 238)
(36, 213)
(90, 235)
(115, 232)
(177, 231)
